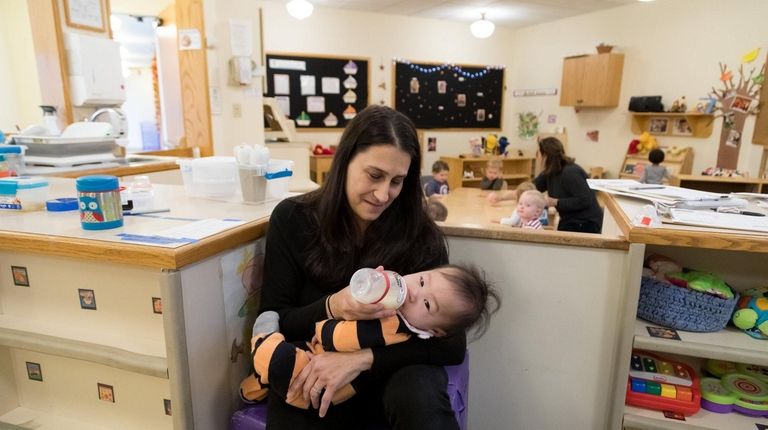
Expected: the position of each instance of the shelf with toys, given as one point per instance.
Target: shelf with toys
(677, 160)
(515, 169)
(673, 314)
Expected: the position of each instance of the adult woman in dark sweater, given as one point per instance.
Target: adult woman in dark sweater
(566, 185)
(370, 211)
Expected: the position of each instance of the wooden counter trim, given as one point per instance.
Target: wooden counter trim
(134, 254)
(540, 236)
(123, 170)
(693, 238)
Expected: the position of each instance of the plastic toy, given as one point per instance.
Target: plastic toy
(740, 388)
(679, 105)
(658, 383)
(752, 316)
(321, 150)
(503, 143)
(658, 266)
(645, 143)
(491, 142)
(702, 282)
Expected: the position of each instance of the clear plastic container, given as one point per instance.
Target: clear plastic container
(373, 286)
(278, 177)
(24, 194)
(14, 159)
(210, 176)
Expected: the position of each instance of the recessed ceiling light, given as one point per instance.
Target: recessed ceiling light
(299, 9)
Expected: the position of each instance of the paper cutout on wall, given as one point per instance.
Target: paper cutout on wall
(528, 125)
(330, 85)
(350, 83)
(331, 120)
(350, 68)
(750, 56)
(350, 112)
(350, 97)
(303, 119)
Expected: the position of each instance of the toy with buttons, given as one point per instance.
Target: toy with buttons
(735, 387)
(662, 384)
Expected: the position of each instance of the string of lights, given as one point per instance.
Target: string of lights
(448, 66)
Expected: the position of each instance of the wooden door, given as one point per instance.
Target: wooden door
(573, 76)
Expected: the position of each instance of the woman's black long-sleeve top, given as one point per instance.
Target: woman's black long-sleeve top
(300, 301)
(575, 200)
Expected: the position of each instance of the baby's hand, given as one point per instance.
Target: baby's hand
(493, 198)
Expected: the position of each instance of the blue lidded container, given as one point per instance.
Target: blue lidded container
(99, 200)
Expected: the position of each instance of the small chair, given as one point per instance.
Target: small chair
(254, 417)
(424, 181)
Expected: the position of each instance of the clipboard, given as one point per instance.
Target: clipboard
(719, 220)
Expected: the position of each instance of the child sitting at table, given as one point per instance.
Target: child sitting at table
(492, 180)
(514, 219)
(438, 185)
(530, 206)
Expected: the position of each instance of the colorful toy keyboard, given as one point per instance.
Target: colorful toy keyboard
(658, 383)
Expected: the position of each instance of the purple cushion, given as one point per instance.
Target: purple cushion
(254, 417)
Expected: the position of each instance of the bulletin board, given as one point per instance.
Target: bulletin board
(318, 92)
(455, 96)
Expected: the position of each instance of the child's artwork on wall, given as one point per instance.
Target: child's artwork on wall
(449, 95)
(735, 101)
(318, 92)
(528, 125)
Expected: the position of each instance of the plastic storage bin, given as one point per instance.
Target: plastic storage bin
(14, 158)
(210, 176)
(24, 194)
(278, 178)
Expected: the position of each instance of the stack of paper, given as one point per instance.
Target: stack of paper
(666, 196)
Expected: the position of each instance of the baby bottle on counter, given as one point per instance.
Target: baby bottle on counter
(374, 286)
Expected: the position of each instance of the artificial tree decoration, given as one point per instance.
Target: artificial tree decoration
(735, 103)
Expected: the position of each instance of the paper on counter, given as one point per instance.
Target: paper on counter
(184, 234)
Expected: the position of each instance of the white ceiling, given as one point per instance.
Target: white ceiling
(507, 13)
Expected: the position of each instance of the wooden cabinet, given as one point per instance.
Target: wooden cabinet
(688, 124)
(100, 333)
(592, 80)
(319, 165)
(633, 165)
(514, 171)
(719, 184)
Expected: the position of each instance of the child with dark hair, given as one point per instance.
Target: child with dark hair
(655, 174)
(438, 185)
(439, 302)
(436, 210)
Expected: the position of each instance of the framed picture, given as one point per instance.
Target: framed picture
(658, 126)
(629, 169)
(741, 104)
(34, 372)
(157, 305)
(681, 127)
(86, 15)
(87, 299)
(106, 392)
(167, 406)
(20, 276)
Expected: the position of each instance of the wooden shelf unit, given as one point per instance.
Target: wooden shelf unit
(592, 80)
(719, 184)
(515, 170)
(700, 123)
(678, 164)
(319, 165)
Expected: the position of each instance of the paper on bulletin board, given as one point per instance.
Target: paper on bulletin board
(285, 104)
(282, 84)
(307, 85)
(316, 104)
(85, 13)
(331, 85)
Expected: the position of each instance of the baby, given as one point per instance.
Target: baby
(530, 206)
(493, 179)
(442, 301)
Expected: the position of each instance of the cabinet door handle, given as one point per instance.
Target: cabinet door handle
(580, 101)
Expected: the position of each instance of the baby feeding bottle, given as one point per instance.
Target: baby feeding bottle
(374, 286)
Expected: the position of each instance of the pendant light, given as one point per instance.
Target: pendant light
(299, 9)
(482, 28)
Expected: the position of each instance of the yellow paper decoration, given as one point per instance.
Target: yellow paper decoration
(750, 56)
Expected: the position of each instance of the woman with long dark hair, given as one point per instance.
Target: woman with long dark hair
(566, 185)
(370, 211)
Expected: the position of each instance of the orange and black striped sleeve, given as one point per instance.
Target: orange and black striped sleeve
(346, 336)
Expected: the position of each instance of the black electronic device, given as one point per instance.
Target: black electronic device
(646, 104)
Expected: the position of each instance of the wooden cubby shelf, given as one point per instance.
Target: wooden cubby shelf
(700, 124)
(515, 170)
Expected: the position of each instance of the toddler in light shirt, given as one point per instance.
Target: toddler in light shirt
(530, 206)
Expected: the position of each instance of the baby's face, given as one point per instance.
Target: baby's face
(528, 208)
(432, 302)
(492, 173)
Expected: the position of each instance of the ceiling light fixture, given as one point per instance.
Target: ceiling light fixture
(482, 28)
(299, 9)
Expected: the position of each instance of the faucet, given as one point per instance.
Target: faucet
(100, 111)
(121, 127)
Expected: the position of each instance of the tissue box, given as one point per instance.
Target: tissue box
(23, 193)
(278, 178)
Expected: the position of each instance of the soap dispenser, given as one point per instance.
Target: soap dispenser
(50, 120)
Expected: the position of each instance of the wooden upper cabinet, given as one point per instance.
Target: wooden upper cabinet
(592, 80)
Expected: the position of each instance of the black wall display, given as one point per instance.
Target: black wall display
(322, 92)
(449, 95)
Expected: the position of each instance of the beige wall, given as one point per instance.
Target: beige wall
(672, 49)
(381, 38)
(229, 130)
(19, 90)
